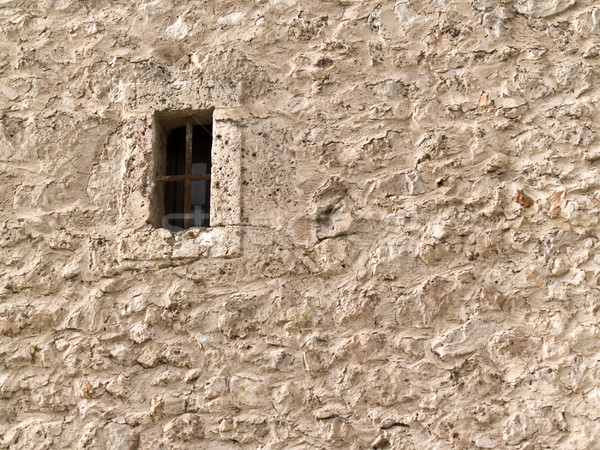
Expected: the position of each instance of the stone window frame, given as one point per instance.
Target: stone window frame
(141, 201)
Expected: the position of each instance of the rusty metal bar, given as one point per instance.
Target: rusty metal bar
(187, 197)
(193, 177)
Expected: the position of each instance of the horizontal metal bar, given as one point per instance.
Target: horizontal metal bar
(192, 177)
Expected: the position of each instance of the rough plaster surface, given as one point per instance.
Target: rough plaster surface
(406, 252)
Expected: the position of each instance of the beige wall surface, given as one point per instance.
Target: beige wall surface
(405, 243)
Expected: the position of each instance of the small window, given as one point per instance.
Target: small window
(186, 177)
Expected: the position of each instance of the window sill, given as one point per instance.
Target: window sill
(160, 244)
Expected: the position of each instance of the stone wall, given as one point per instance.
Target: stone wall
(407, 250)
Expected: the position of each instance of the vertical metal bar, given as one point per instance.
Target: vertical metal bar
(187, 197)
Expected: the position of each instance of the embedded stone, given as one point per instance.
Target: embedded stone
(247, 392)
(518, 429)
(556, 201)
(523, 199)
(543, 8)
(184, 428)
(151, 356)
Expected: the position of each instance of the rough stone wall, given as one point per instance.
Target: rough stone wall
(407, 254)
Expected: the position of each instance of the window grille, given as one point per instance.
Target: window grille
(188, 177)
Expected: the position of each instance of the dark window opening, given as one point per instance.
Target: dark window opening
(186, 182)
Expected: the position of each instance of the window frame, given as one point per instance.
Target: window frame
(141, 238)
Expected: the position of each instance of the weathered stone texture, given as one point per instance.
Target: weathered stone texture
(405, 251)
